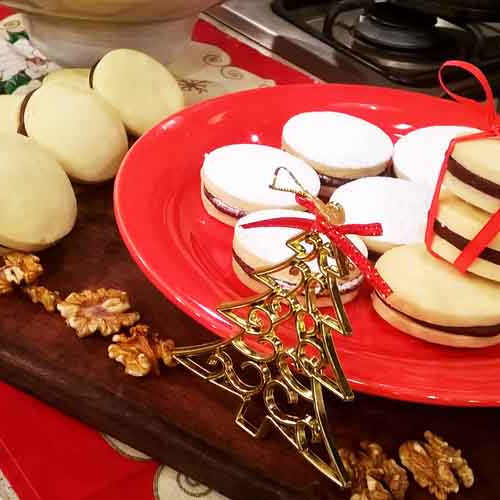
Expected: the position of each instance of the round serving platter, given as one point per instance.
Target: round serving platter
(187, 254)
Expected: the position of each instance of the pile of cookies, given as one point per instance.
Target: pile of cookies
(75, 128)
(432, 300)
(350, 161)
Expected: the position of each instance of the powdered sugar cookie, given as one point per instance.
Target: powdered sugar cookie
(235, 180)
(338, 146)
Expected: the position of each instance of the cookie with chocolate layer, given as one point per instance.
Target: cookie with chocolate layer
(340, 147)
(235, 180)
(142, 90)
(435, 302)
(10, 109)
(79, 77)
(474, 173)
(400, 206)
(256, 249)
(418, 156)
(457, 223)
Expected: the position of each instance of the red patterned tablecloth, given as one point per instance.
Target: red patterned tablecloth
(45, 455)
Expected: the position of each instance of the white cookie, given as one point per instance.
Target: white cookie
(418, 156)
(400, 206)
(235, 180)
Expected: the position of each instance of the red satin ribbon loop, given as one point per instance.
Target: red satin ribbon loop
(474, 248)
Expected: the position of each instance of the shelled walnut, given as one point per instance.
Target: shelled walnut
(18, 269)
(373, 475)
(41, 295)
(104, 310)
(433, 463)
(140, 351)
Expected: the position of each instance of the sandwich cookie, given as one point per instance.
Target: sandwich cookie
(418, 156)
(338, 146)
(474, 173)
(10, 112)
(78, 77)
(433, 301)
(142, 91)
(37, 201)
(400, 206)
(235, 180)
(457, 223)
(78, 128)
(256, 249)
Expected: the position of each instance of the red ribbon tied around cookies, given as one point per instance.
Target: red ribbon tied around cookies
(475, 247)
(337, 234)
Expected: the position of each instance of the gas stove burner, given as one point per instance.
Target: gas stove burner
(390, 26)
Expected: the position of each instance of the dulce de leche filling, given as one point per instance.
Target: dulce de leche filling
(222, 206)
(471, 331)
(344, 287)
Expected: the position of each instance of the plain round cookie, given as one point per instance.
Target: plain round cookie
(264, 247)
(418, 156)
(10, 107)
(400, 206)
(474, 174)
(37, 201)
(338, 144)
(235, 180)
(141, 89)
(429, 292)
(79, 129)
(456, 224)
(78, 77)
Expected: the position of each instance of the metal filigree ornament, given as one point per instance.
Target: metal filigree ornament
(287, 382)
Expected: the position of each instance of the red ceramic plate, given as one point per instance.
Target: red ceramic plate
(187, 254)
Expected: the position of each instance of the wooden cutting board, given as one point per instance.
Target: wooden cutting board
(178, 419)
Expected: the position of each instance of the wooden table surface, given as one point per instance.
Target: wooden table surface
(178, 419)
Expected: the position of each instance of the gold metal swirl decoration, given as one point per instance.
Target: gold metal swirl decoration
(286, 383)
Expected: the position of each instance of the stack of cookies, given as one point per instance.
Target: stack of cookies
(432, 300)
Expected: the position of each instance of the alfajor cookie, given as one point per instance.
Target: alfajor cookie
(474, 173)
(418, 156)
(433, 301)
(400, 206)
(457, 223)
(235, 180)
(81, 131)
(37, 201)
(338, 146)
(142, 90)
(10, 108)
(256, 249)
(78, 77)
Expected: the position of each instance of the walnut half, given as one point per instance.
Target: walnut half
(373, 475)
(19, 268)
(41, 295)
(140, 351)
(433, 463)
(105, 310)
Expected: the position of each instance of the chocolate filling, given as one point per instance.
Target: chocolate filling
(21, 129)
(223, 206)
(471, 331)
(460, 242)
(334, 182)
(344, 288)
(480, 183)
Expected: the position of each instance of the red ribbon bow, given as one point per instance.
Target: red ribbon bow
(474, 248)
(337, 234)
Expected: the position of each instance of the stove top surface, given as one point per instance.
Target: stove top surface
(378, 44)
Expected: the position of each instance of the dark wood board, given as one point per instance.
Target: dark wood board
(178, 419)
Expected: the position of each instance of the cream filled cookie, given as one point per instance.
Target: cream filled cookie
(400, 206)
(457, 223)
(338, 146)
(418, 156)
(235, 180)
(10, 108)
(37, 201)
(81, 131)
(474, 173)
(256, 249)
(142, 90)
(78, 77)
(433, 301)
